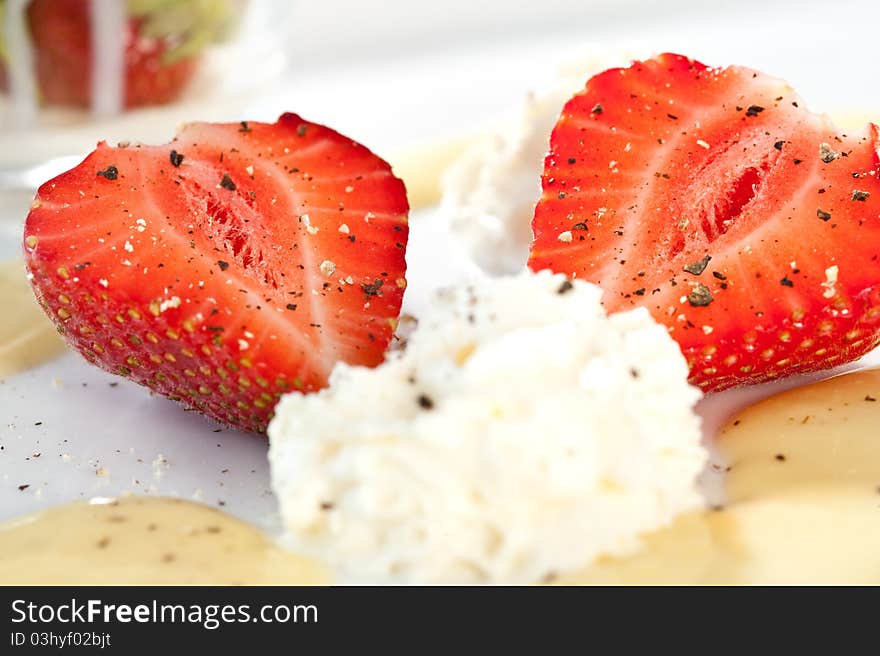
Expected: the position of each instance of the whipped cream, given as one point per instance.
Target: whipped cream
(521, 434)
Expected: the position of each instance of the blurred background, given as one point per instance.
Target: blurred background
(427, 68)
(456, 64)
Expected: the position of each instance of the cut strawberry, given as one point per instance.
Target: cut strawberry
(239, 262)
(746, 224)
(61, 33)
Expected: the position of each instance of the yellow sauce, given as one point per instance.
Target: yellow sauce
(27, 338)
(803, 498)
(855, 119)
(145, 540)
(421, 167)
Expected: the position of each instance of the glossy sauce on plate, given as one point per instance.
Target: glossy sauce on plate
(27, 338)
(145, 540)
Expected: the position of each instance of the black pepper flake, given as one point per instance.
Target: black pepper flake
(797, 161)
(22, 488)
(700, 296)
(579, 226)
(860, 195)
(223, 265)
(639, 292)
(227, 183)
(719, 275)
(373, 288)
(754, 110)
(571, 160)
(244, 127)
(672, 116)
(597, 109)
(870, 398)
(291, 306)
(785, 282)
(778, 145)
(326, 505)
(566, 286)
(111, 173)
(780, 457)
(825, 216)
(301, 129)
(175, 158)
(696, 268)
(560, 195)
(827, 154)
(425, 402)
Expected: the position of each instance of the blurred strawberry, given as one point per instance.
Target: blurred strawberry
(163, 44)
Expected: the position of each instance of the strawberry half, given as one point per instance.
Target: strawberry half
(746, 224)
(237, 263)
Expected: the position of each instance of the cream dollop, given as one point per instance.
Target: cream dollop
(521, 434)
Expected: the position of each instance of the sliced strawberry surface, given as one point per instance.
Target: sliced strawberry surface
(239, 262)
(654, 168)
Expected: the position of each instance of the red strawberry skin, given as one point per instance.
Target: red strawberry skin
(61, 36)
(652, 168)
(237, 263)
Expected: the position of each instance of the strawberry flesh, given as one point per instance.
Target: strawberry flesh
(712, 197)
(237, 263)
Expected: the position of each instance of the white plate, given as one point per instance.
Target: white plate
(98, 435)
